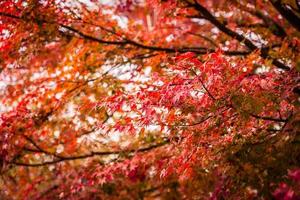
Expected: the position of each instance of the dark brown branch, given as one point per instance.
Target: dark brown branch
(91, 154)
(267, 118)
(9, 15)
(83, 35)
(126, 41)
(203, 85)
(269, 23)
(288, 14)
(198, 50)
(38, 148)
(260, 117)
(222, 27)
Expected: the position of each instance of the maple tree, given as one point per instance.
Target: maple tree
(152, 99)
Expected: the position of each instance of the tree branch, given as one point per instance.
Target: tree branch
(267, 118)
(126, 41)
(91, 154)
(269, 23)
(222, 27)
(288, 14)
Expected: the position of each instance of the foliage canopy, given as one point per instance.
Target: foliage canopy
(149, 99)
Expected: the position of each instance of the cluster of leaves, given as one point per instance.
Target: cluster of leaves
(176, 99)
(289, 192)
